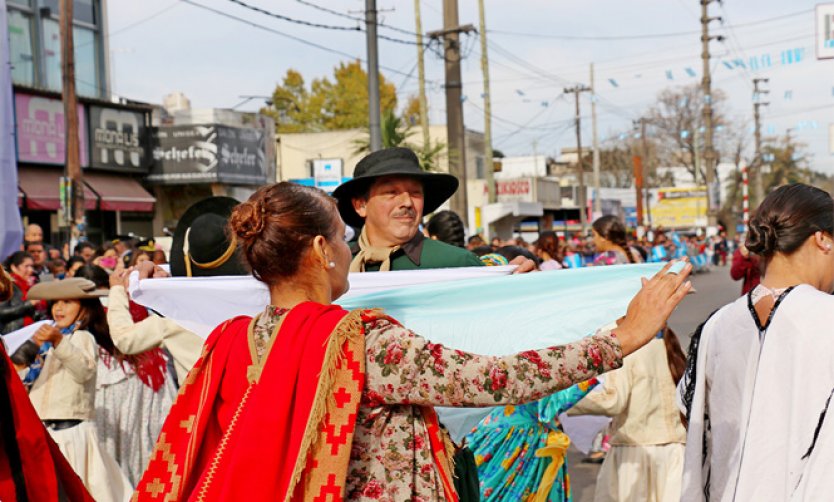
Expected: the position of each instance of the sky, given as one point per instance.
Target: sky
(536, 49)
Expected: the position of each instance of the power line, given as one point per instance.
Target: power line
(132, 25)
(317, 25)
(295, 21)
(354, 18)
(286, 35)
(640, 36)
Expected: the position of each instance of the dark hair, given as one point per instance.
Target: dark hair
(96, 274)
(787, 217)
(512, 252)
(674, 354)
(278, 223)
(17, 258)
(447, 227)
(610, 228)
(135, 256)
(549, 243)
(482, 250)
(73, 260)
(81, 246)
(54, 265)
(95, 322)
(475, 238)
(35, 243)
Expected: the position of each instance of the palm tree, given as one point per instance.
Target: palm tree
(396, 132)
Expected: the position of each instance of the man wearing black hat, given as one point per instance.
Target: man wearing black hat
(388, 197)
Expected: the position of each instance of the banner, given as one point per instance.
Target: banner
(209, 154)
(12, 230)
(119, 140)
(40, 130)
(680, 208)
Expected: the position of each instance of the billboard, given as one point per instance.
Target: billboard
(825, 31)
(680, 207)
(40, 130)
(118, 140)
(208, 154)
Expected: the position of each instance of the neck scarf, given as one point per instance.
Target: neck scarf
(37, 365)
(369, 254)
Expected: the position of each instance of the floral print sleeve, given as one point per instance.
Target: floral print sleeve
(404, 368)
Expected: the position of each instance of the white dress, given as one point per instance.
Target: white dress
(757, 398)
(130, 414)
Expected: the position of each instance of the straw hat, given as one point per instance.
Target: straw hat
(68, 289)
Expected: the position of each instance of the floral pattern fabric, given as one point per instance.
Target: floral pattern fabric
(391, 458)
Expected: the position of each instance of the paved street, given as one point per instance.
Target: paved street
(714, 290)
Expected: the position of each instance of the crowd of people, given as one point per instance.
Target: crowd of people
(306, 399)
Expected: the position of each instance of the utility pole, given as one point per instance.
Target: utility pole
(583, 200)
(421, 76)
(455, 132)
(706, 85)
(488, 167)
(643, 188)
(72, 161)
(597, 196)
(757, 162)
(373, 76)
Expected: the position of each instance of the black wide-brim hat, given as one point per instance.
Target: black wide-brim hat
(437, 187)
(212, 251)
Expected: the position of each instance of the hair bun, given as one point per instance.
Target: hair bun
(762, 238)
(248, 220)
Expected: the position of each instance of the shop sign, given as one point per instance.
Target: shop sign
(118, 140)
(208, 154)
(40, 130)
(514, 190)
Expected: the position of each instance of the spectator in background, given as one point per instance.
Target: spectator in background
(138, 257)
(86, 251)
(446, 226)
(475, 241)
(747, 268)
(610, 242)
(38, 253)
(18, 311)
(73, 264)
(54, 254)
(108, 260)
(57, 268)
(495, 242)
(550, 250)
(33, 233)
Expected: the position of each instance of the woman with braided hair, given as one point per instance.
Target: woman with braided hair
(611, 242)
(760, 376)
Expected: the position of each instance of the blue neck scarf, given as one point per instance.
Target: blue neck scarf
(37, 365)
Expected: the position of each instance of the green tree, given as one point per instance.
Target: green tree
(396, 131)
(340, 103)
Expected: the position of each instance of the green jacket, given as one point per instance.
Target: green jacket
(422, 253)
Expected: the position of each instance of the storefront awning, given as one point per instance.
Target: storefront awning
(119, 192)
(40, 188)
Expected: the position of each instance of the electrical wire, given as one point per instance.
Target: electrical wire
(317, 25)
(291, 37)
(354, 18)
(604, 38)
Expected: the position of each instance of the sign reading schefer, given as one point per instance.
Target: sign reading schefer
(40, 130)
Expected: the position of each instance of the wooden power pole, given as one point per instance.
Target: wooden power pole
(455, 132)
(421, 77)
(583, 199)
(373, 76)
(72, 160)
(595, 138)
(758, 182)
(706, 86)
(488, 164)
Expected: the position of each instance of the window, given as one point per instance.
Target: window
(86, 67)
(51, 55)
(20, 48)
(479, 168)
(82, 10)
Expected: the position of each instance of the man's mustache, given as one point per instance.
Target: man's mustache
(409, 212)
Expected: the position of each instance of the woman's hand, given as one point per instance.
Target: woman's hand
(651, 307)
(120, 275)
(47, 333)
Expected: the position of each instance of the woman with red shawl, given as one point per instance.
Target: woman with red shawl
(308, 401)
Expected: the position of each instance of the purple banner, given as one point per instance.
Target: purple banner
(11, 231)
(40, 130)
